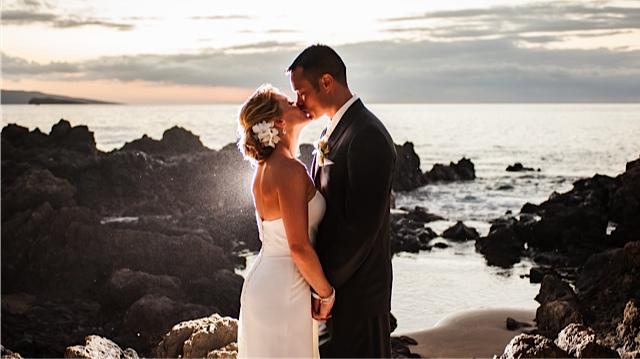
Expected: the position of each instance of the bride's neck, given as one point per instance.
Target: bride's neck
(289, 143)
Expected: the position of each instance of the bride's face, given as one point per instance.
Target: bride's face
(292, 115)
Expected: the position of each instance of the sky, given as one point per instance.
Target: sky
(400, 51)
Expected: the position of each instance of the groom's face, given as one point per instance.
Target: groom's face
(308, 98)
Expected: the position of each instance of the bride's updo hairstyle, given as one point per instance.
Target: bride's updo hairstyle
(261, 106)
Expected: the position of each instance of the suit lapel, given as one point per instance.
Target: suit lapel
(344, 123)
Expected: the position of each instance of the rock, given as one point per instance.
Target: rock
(529, 208)
(440, 245)
(501, 247)
(77, 138)
(306, 155)
(400, 347)
(8, 354)
(553, 316)
(126, 286)
(518, 167)
(554, 288)
(150, 316)
(194, 337)
(460, 232)
(513, 324)
(625, 205)
(29, 331)
(628, 330)
(421, 215)
(228, 352)
(461, 171)
(209, 338)
(393, 323)
(632, 255)
(179, 140)
(175, 141)
(34, 188)
(409, 235)
(98, 347)
(222, 290)
(407, 174)
(536, 274)
(532, 346)
(580, 342)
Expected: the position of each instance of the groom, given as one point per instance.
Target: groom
(353, 169)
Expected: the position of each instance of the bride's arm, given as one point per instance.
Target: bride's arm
(292, 195)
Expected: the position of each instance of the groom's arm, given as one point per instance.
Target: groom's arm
(370, 164)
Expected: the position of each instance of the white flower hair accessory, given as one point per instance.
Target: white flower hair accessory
(267, 133)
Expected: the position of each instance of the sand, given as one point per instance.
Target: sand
(475, 333)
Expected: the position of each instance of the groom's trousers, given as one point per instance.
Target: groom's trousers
(358, 337)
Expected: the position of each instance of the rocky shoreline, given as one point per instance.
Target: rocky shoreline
(139, 245)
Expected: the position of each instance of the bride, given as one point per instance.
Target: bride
(277, 313)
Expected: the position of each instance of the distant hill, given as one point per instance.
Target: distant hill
(12, 97)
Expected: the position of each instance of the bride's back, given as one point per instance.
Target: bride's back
(269, 176)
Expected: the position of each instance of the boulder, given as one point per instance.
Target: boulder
(407, 174)
(8, 354)
(628, 330)
(518, 167)
(198, 337)
(179, 140)
(221, 290)
(460, 232)
(555, 315)
(99, 347)
(632, 255)
(77, 138)
(151, 316)
(513, 324)
(532, 346)
(228, 352)
(462, 171)
(125, 286)
(554, 288)
(501, 247)
(34, 188)
(625, 205)
(306, 155)
(580, 342)
(537, 274)
(421, 215)
(175, 141)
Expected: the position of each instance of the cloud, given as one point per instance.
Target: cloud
(22, 17)
(554, 20)
(493, 70)
(28, 12)
(221, 17)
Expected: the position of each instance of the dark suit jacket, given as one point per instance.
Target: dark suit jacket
(353, 238)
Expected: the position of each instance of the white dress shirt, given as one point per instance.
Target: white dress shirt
(333, 122)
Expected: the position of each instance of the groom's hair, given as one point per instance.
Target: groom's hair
(317, 60)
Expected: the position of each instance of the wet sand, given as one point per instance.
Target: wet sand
(474, 333)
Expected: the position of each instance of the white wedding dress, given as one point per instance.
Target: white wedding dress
(275, 304)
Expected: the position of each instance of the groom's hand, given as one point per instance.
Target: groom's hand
(324, 312)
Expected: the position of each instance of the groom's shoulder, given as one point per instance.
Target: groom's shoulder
(369, 122)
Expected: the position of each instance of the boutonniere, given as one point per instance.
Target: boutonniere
(321, 151)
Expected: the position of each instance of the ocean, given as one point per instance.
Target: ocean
(566, 141)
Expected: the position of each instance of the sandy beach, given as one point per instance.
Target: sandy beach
(477, 333)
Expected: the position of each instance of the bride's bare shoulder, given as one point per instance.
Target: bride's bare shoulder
(288, 170)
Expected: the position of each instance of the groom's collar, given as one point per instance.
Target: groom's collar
(335, 119)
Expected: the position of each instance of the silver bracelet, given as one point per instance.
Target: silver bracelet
(326, 300)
